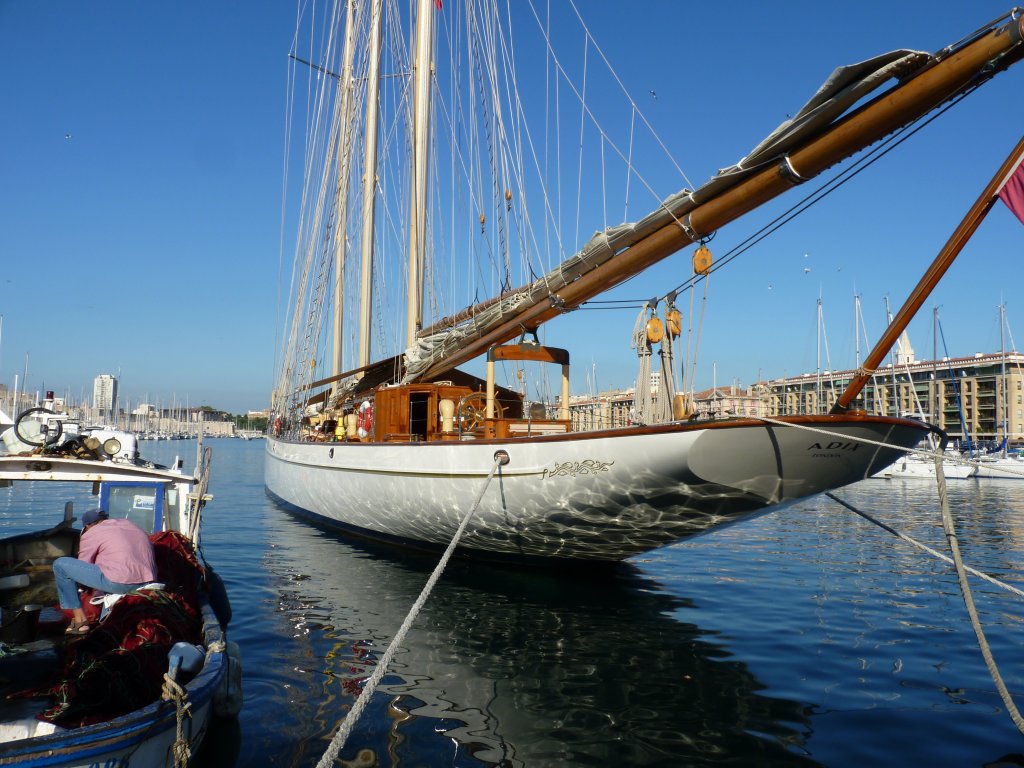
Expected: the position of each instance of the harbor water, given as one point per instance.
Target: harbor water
(808, 637)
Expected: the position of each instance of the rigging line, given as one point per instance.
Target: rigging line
(554, 226)
(318, 68)
(482, 67)
(828, 358)
(583, 123)
(827, 188)
(558, 152)
(604, 190)
(636, 107)
(495, 133)
(520, 214)
(688, 377)
(700, 331)
(612, 309)
(501, 458)
(952, 379)
(451, 123)
(629, 164)
(547, 141)
(593, 118)
(518, 173)
(504, 139)
(320, 142)
(289, 111)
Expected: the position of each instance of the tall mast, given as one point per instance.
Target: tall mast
(817, 379)
(892, 358)
(856, 328)
(421, 136)
(933, 404)
(369, 185)
(341, 219)
(1002, 373)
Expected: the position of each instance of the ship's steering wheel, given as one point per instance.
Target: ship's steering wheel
(48, 435)
(472, 411)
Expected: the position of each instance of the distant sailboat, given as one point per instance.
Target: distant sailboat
(400, 448)
(918, 466)
(1002, 465)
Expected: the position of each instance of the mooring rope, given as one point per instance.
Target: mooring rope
(345, 729)
(954, 547)
(961, 572)
(965, 590)
(925, 547)
(173, 692)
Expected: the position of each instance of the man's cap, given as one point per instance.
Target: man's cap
(93, 516)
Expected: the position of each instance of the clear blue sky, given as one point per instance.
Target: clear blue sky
(140, 190)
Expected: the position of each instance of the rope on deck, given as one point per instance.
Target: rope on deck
(345, 729)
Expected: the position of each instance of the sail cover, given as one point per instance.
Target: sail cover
(843, 89)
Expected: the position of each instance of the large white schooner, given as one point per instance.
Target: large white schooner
(399, 449)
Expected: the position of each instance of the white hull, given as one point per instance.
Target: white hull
(589, 496)
(1001, 467)
(916, 467)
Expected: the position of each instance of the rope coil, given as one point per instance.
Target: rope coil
(173, 692)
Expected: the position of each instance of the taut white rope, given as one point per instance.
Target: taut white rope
(500, 458)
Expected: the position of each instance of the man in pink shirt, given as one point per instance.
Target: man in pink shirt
(114, 556)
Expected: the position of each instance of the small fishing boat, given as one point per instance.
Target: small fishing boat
(141, 686)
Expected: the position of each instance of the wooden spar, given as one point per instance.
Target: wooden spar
(938, 268)
(897, 107)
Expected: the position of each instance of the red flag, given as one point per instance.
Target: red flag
(1012, 193)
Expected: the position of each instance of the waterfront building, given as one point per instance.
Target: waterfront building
(604, 411)
(720, 402)
(980, 397)
(968, 397)
(104, 398)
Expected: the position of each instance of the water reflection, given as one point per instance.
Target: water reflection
(808, 631)
(506, 668)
